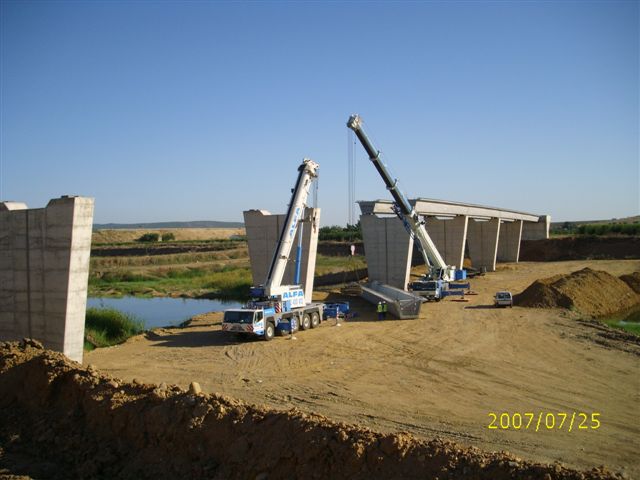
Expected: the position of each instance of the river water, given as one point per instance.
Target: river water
(162, 311)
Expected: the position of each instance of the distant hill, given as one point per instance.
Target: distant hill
(157, 225)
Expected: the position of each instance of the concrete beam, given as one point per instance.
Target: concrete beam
(388, 250)
(263, 230)
(483, 243)
(449, 237)
(431, 207)
(509, 241)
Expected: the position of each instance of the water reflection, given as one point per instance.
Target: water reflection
(162, 311)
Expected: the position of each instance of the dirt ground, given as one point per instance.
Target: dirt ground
(440, 375)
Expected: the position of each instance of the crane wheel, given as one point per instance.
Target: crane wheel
(269, 331)
(315, 319)
(305, 324)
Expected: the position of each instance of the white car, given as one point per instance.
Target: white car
(503, 299)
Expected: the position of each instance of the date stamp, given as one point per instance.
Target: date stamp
(568, 421)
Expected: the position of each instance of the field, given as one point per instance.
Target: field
(440, 375)
(197, 263)
(102, 237)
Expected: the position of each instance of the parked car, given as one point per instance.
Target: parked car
(503, 299)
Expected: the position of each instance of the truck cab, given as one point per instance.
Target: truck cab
(249, 321)
(430, 289)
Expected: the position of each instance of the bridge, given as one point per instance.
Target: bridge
(487, 234)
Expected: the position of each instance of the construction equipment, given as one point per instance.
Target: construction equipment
(275, 307)
(437, 269)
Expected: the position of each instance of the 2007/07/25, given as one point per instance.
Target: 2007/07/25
(518, 421)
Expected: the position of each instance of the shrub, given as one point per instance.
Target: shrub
(106, 326)
(336, 233)
(149, 237)
(168, 237)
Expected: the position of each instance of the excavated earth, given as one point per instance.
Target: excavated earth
(590, 292)
(62, 420)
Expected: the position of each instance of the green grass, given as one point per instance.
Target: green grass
(229, 278)
(626, 326)
(221, 282)
(628, 321)
(105, 327)
(330, 264)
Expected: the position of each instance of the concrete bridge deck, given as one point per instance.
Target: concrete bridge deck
(447, 208)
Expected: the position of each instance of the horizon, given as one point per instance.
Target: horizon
(204, 110)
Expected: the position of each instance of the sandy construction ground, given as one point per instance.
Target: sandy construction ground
(439, 375)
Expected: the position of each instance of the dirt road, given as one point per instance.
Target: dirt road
(440, 375)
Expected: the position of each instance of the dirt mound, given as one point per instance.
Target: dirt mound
(63, 421)
(590, 292)
(633, 280)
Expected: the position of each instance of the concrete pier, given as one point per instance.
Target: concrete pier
(388, 250)
(509, 241)
(263, 230)
(449, 236)
(44, 268)
(537, 230)
(483, 243)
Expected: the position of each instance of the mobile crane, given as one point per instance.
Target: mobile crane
(438, 272)
(275, 307)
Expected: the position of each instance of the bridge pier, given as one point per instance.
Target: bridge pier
(483, 243)
(44, 266)
(388, 250)
(263, 230)
(509, 242)
(537, 230)
(449, 236)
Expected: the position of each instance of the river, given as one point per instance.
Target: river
(162, 311)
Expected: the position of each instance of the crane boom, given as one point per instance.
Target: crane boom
(407, 213)
(307, 172)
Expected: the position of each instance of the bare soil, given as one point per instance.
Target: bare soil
(580, 247)
(590, 292)
(62, 421)
(437, 376)
(633, 280)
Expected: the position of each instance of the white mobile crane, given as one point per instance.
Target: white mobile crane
(438, 272)
(276, 307)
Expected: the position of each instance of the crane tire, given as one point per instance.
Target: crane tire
(305, 324)
(269, 331)
(315, 319)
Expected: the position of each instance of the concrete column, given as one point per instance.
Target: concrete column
(537, 230)
(509, 241)
(44, 260)
(388, 249)
(263, 230)
(449, 236)
(482, 237)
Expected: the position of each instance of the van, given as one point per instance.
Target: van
(503, 299)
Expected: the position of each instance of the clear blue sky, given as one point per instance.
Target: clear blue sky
(167, 110)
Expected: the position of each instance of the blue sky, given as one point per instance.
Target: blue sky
(167, 110)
